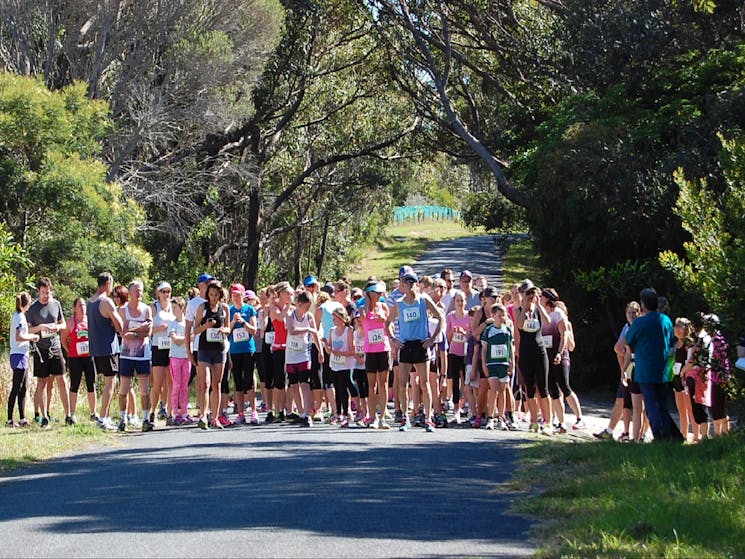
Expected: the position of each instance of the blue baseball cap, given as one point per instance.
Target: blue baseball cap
(310, 280)
(204, 278)
(403, 270)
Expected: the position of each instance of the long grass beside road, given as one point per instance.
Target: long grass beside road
(605, 499)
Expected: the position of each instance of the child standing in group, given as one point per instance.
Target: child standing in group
(359, 376)
(683, 354)
(341, 359)
(498, 358)
(19, 350)
(179, 364)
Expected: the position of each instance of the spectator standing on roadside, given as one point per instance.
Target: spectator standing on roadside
(652, 339)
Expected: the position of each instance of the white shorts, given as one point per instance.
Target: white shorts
(468, 381)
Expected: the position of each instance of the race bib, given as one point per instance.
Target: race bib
(375, 336)
(164, 343)
(677, 367)
(47, 335)
(531, 325)
(83, 348)
(295, 343)
(359, 348)
(459, 337)
(269, 337)
(338, 359)
(134, 324)
(548, 341)
(411, 314)
(499, 351)
(241, 335)
(214, 335)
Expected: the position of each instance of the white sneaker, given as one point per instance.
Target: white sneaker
(458, 419)
(134, 421)
(500, 424)
(450, 405)
(108, 424)
(490, 424)
(579, 425)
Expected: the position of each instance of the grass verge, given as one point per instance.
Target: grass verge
(637, 501)
(520, 262)
(23, 447)
(402, 244)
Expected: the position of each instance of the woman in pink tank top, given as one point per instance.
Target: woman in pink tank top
(377, 352)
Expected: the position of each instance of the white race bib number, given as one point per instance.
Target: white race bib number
(548, 341)
(677, 367)
(359, 348)
(338, 359)
(240, 335)
(531, 325)
(375, 336)
(46, 335)
(411, 315)
(164, 343)
(269, 337)
(295, 343)
(214, 335)
(459, 337)
(499, 352)
(83, 348)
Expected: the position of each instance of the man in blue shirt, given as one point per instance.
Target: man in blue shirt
(652, 340)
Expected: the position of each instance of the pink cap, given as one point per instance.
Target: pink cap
(237, 288)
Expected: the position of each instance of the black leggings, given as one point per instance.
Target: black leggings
(558, 379)
(456, 372)
(359, 386)
(18, 391)
(342, 386)
(78, 366)
(534, 366)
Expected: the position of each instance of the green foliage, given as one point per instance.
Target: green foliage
(54, 197)
(12, 260)
(714, 263)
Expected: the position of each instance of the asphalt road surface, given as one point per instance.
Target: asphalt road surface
(271, 491)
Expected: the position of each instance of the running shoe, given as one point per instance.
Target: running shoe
(254, 418)
(399, 416)
(387, 414)
(215, 424)
(579, 425)
(547, 430)
(94, 417)
(262, 406)
(188, 420)
(477, 422)
(368, 421)
(457, 417)
(178, 421)
(223, 420)
(533, 427)
(624, 438)
(24, 423)
(358, 417)
(490, 424)
(450, 405)
(561, 430)
(134, 421)
(12, 424)
(384, 424)
(202, 423)
(318, 416)
(147, 426)
(443, 420)
(240, 420)
(344, 422)
(70, 420)
(280, 417)
(375, 423)
(170, 422)
(429, 427)
(292, 416)
(122, 426)
(162, 414)
(269, 417)
(604, 435)
(500, 424)
(333, 420)
(405, 423)
(304, 422)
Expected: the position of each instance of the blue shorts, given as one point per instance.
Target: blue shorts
(19, 361)
(212, 356)
(129, 367)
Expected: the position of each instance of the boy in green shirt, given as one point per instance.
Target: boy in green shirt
(498, 357)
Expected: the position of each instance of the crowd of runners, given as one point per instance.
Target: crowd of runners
(424, 351)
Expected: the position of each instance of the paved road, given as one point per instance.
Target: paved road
(270, 491)
(479, 255)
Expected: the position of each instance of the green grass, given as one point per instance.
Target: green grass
(402, 244)
(520, 262)
(23, 447)
(616, 500)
